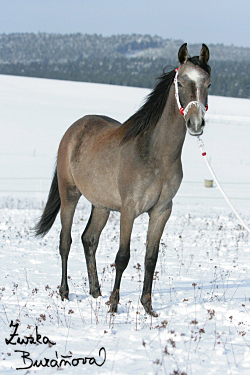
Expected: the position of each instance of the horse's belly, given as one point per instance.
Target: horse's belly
(108, 201)
(99, 189)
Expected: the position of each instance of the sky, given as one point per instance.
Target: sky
(193, 21)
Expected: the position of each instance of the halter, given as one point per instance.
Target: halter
(196, 103)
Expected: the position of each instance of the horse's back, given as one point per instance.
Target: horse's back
(108, 120)
(85, 130)
(90, 124)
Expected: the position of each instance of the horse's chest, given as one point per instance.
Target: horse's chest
(171, 184)
(156, 188)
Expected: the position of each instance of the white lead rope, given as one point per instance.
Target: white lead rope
(201, 145)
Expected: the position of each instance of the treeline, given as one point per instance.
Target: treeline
(120, 71)
(130, 60)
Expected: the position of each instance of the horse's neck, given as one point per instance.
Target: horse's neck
(169, 134)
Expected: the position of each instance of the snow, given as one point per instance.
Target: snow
(202, 282)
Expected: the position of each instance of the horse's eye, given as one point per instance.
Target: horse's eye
(209, 86)
(179, 84)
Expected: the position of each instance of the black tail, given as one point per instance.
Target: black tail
(50, 211)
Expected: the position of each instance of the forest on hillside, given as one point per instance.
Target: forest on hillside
(130, 60)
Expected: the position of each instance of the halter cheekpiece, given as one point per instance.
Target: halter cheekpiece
(196, 103)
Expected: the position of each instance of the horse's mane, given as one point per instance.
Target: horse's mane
(152, 109)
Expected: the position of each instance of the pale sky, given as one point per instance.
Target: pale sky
(197, 21)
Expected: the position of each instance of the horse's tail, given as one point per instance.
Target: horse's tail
(50, 211)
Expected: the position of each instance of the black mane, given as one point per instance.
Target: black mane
(151, 111)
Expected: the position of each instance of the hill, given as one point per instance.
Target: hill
(128, 60)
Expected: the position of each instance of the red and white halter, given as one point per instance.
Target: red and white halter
(196, 103)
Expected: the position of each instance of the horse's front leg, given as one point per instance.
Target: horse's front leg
(156, 226)
(123, 255)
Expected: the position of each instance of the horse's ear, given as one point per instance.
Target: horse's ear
(183, 53)
(204, 54)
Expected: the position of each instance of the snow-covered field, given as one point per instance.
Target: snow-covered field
(202, 279)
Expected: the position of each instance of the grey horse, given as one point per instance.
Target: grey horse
(134, 167)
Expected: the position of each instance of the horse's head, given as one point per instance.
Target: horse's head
(192, 81)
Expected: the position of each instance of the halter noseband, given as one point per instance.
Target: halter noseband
(196, 103)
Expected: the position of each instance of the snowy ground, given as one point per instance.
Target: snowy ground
(202, 279)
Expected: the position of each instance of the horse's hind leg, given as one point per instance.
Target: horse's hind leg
(69, 199)
(90, 239)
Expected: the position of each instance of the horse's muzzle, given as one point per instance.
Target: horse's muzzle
(195, 125)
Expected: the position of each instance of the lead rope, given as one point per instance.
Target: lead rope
(204, 154)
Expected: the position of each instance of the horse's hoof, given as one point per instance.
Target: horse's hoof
(64, 294)
(153, 313)
(113, 308)
(95, 293)
(148, 306)
(150, 311)
(113, 302)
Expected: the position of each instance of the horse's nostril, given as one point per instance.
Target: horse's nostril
(195, 125)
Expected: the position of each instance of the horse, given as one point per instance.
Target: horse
(133, 168)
